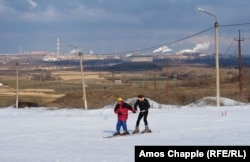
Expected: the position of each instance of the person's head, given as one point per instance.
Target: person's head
(140, 97)
(119, 99)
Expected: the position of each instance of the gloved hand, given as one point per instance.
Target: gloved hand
(119, 113)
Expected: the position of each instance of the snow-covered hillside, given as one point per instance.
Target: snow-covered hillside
(75, 135)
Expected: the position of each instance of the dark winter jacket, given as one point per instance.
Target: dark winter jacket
(121, 109)
(143, 105)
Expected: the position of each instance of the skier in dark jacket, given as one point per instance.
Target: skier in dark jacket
(121, 109)
(144, 105)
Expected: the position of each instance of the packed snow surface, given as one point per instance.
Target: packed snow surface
(76, 135)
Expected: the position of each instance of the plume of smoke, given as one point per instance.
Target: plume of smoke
(197, 48)
(91, 52)
(162, 49)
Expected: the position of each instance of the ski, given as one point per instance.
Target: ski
(149, 131)
(120, 135)
(140, 133)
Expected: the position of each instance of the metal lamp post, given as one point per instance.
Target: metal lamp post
(16, 84)
(216, 25)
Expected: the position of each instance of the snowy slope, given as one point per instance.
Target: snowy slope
(73, 135)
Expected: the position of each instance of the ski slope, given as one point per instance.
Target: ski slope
(74, 135)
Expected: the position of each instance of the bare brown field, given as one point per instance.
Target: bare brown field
(73, 75)
(177, 85)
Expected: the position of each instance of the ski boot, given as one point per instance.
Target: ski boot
(126, 132)
(136, 130)
(146, 130)
(116, 133)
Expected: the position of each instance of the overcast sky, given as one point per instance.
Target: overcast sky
(109, 26)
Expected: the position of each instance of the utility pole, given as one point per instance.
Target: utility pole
(155, 79)
(145, 83)
(84, 97)
(113, 78)
(167, 84)
(83, 84)
(240, 62)
(216, 28)
(17, 85)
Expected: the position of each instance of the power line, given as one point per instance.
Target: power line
(168, 43)
(242, 24)
(234, 39)
(175, 41)
(228, 47)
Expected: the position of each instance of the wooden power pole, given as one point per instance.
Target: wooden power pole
(240, 63)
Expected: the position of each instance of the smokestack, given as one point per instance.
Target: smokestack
(58, 47)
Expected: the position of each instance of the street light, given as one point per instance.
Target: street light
(216, 25)
(16, 84)
(83, 84)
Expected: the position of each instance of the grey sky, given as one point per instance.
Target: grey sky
(108, 26)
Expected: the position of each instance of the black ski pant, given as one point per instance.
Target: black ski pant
(141, 115)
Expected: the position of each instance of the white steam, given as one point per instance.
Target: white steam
(198, 48)
(162, 49)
